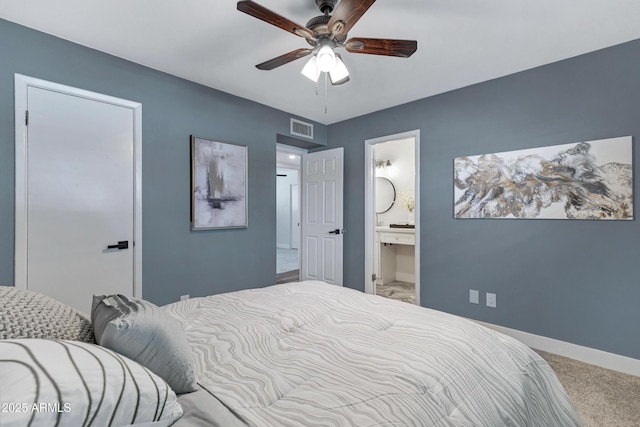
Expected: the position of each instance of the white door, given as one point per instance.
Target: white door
(80, 197)
(322, 216)
(295, 216)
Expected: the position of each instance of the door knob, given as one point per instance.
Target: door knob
(336, 231)
(123, 244)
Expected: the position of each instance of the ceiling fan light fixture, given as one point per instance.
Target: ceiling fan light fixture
(339, 73)
(326, 59)
(326, 33)
(311, 70)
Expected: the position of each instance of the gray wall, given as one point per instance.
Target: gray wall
(576, 281)
(176, 261)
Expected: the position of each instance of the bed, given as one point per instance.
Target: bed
(313, 354)
(297, 354)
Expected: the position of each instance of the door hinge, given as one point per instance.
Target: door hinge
(374, 277)
(26, 117)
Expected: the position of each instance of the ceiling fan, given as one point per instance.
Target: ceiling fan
(325, 33)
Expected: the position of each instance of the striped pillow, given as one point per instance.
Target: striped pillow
(71, 383)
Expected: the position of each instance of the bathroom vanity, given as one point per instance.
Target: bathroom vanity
(394, 254)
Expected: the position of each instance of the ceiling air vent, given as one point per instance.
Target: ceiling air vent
(302, 129)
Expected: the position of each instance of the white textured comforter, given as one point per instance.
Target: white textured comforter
(313, 354)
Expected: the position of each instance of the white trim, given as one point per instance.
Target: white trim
(589, 355)
(369, 214)
(299, 151)
(20, 244)
(294, 242)
(418, 284)
(283, 246)
(22, 83)
(137, 209)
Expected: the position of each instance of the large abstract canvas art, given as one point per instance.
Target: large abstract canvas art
(218, 184)
(584, 180)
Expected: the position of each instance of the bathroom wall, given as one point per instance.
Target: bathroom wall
(401, 173)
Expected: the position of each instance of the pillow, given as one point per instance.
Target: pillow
(28, 314)
(71, 383)
(145, 333)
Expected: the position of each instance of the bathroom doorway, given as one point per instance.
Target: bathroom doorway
(392, 244)
(288, 164)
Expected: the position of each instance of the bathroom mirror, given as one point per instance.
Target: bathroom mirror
(385, 195)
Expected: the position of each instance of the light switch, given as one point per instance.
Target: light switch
(474, 296)
(491, 300)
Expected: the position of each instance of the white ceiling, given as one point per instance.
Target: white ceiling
(460, 42)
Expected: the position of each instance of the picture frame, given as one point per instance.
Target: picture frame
(219, 184)
(587, 180)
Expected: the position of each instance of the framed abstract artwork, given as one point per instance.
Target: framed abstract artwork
(218, 184)
(584, 180)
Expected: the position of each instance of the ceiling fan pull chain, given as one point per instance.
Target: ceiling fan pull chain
(326, 93)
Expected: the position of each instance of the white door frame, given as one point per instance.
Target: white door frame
(295, 242)
(22, 83)
(369, 211)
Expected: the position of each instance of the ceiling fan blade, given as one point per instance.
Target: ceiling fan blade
(284, 59)
(264, 14)
(346, 15)
(386, 47)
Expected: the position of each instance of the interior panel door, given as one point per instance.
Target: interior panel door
(322, 216)
(80, 192)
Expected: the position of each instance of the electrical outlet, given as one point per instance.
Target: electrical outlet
(491, 300)
(474, 296)
(184, 297)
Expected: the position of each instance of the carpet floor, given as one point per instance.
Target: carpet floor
(602, 397)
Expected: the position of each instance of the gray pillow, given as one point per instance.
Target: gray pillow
(145, 333)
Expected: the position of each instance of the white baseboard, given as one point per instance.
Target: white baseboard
(589, 355)
(283, 246)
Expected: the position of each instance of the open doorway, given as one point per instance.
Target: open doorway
(392, 244)
(288, 164)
